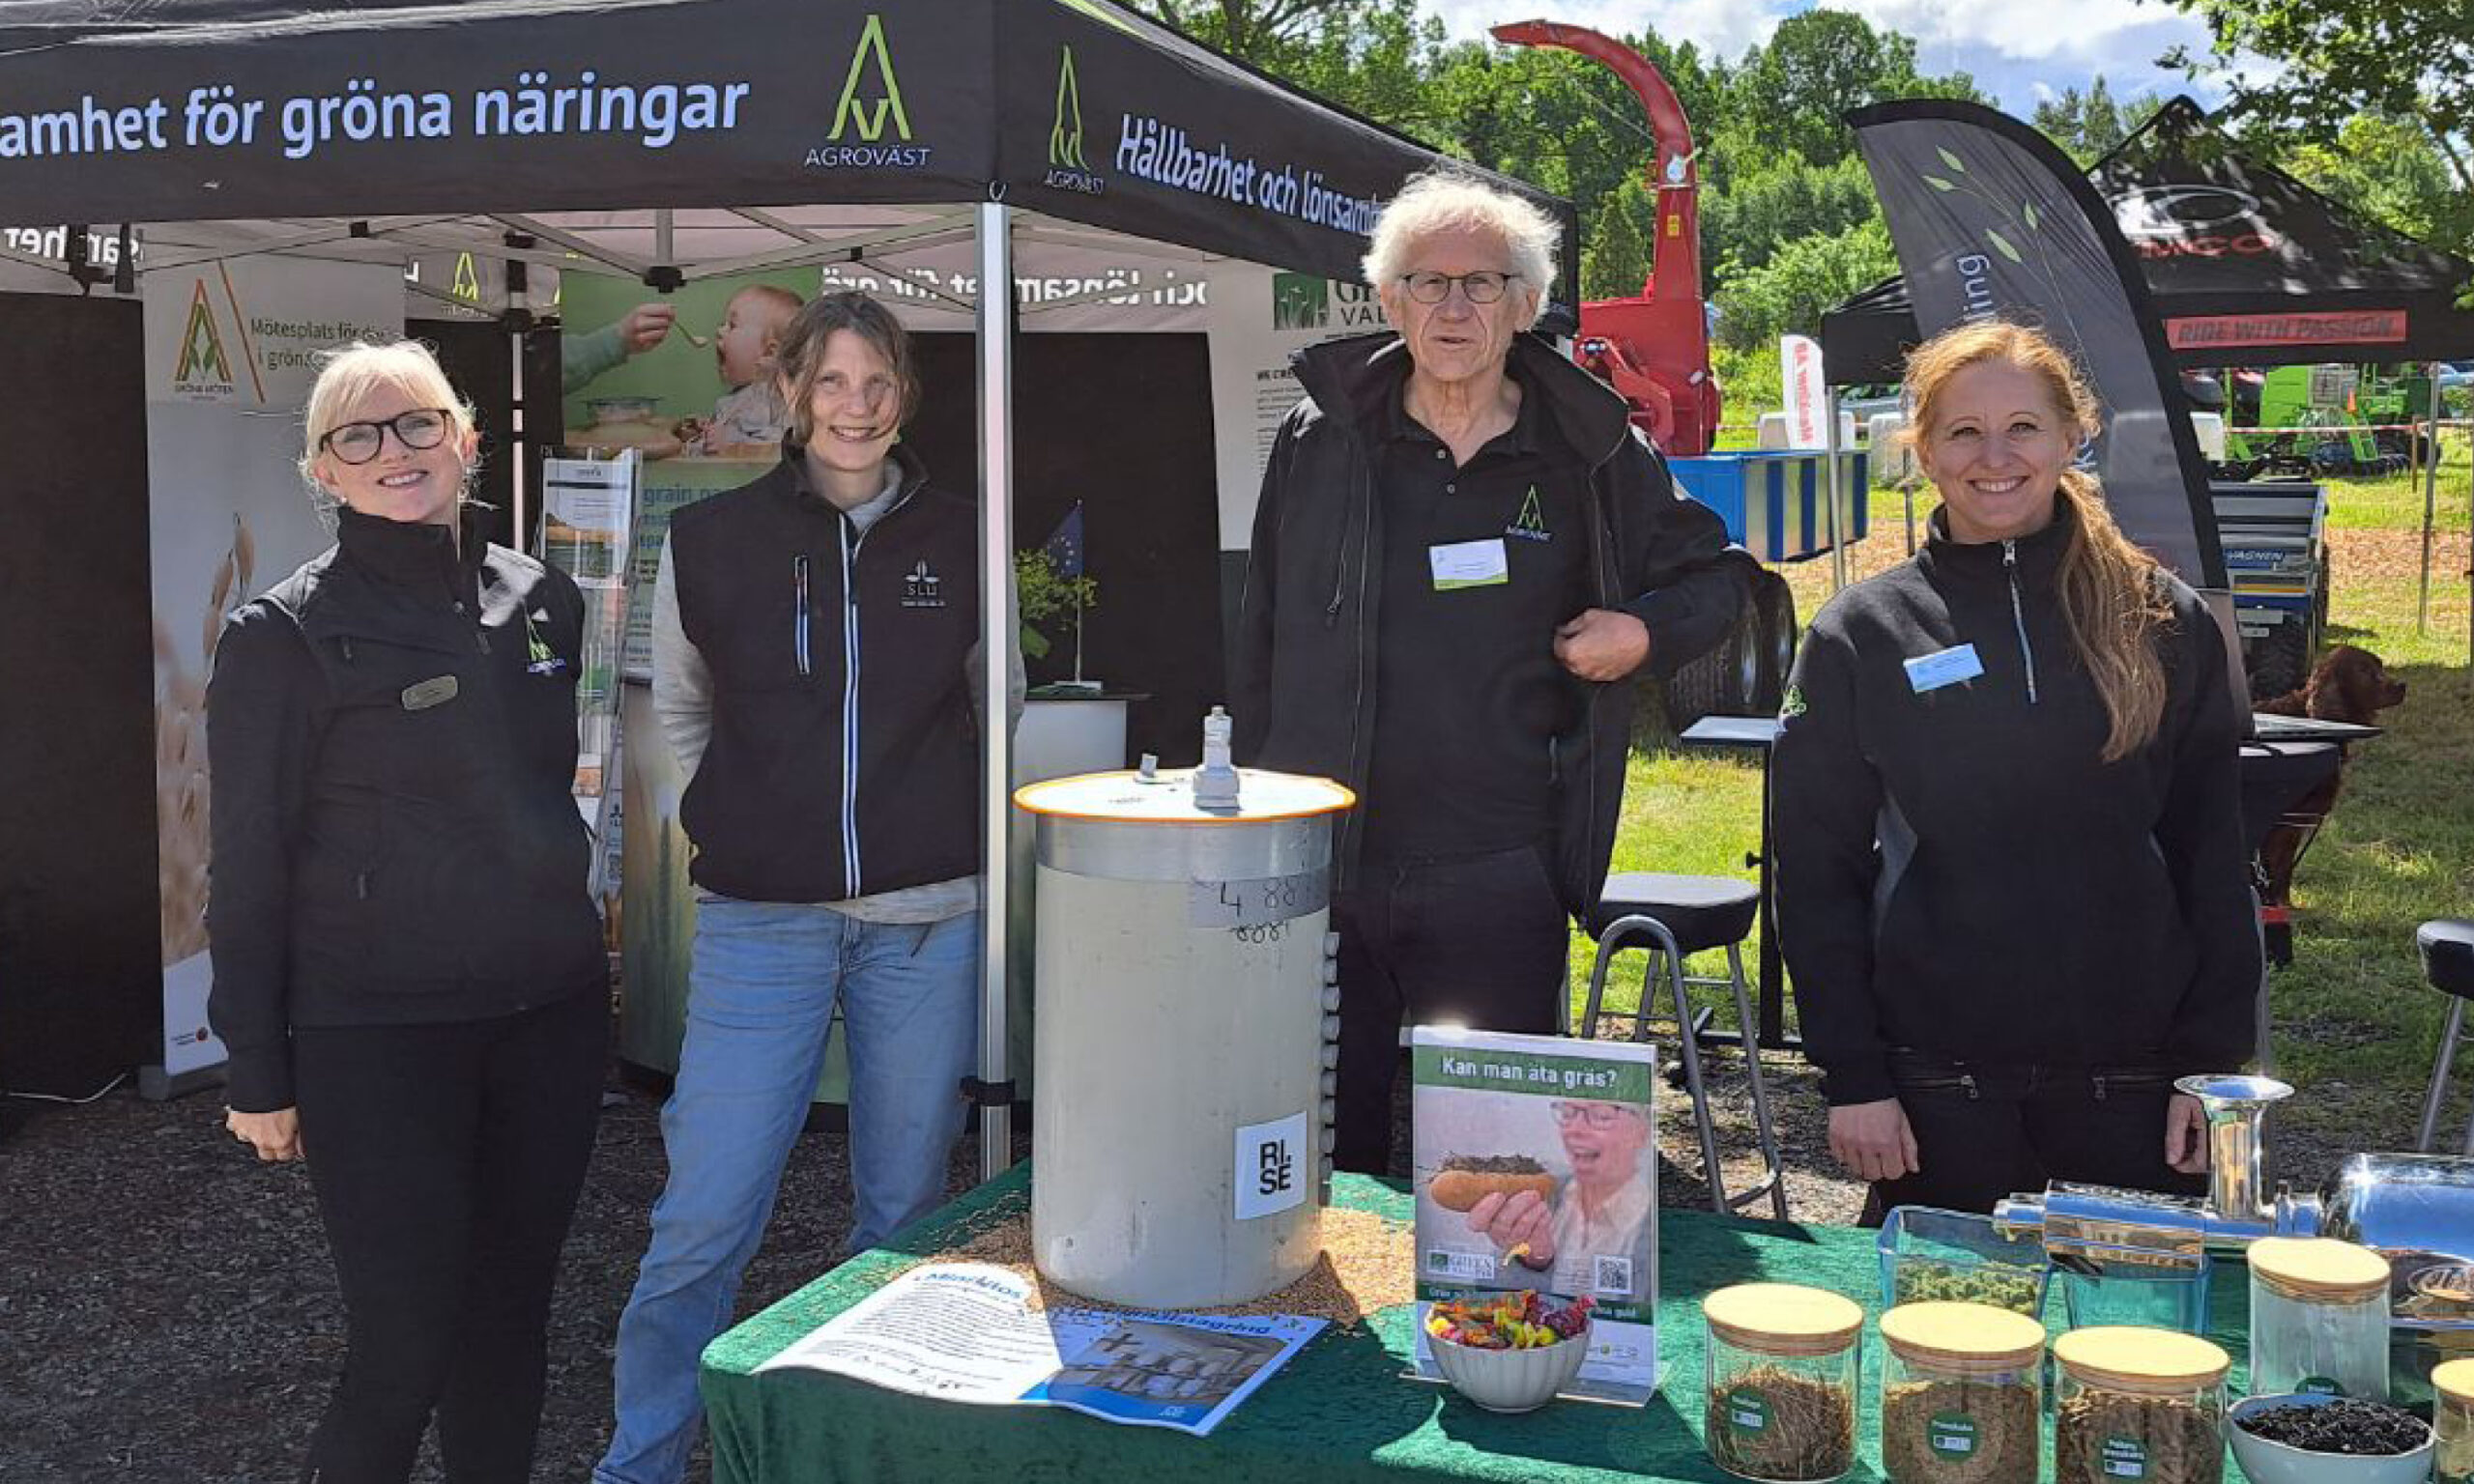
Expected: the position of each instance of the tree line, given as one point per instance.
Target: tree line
(2370, 102)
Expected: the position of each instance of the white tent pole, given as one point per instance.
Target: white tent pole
(517, 304)
(2430, 503)
(996, 580)
(1831, 486)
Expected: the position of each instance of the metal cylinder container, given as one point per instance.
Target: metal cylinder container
(1186, 1029)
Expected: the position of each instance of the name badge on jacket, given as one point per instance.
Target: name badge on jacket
(436, 691)
(1946, 666)
(1468, 564)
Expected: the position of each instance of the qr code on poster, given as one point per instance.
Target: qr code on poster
(1614, 1276)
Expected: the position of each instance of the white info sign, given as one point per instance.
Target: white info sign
(1274, 1166)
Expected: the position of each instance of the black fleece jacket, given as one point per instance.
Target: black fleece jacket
(1960, 873)
(392, 730)
(1304, 686)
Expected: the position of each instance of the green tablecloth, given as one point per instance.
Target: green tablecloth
(1339, 1410)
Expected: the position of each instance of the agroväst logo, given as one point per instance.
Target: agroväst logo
(1067, 167)
(871, 126)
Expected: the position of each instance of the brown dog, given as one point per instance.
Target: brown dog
(2348, 685)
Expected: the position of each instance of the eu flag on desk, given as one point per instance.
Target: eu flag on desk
(1064, 548)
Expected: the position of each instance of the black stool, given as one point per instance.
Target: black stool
(1672, 916)
(2446, 947)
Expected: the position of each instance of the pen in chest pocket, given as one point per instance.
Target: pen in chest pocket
(800, 630)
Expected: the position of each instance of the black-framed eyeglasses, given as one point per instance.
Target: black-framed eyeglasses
(359, 443)
(1483, 286)
(1594, 1115)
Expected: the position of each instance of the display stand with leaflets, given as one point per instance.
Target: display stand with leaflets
(587, 519)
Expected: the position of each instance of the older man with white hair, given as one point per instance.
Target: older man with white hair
(1461, 550)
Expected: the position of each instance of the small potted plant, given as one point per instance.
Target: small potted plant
(1044, 595)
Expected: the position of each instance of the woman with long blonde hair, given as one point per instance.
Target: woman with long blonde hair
(2012, 889)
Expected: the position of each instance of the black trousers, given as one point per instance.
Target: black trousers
(1985, 1129)
(446, 1161)
(1477, 940)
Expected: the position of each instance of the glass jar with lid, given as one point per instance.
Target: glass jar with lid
(2453, 1418)
(1778, 1399)
(2318, 1318)
(2138, 1406)
(1962, 1394)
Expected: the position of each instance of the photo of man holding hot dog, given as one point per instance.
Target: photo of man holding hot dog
(1593, 1232)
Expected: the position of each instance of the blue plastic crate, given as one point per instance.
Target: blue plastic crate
(1773, 500)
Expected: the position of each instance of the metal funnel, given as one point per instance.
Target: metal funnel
(2237, 1108)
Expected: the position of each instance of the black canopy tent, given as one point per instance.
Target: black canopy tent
(2247, 265)
(677, 140)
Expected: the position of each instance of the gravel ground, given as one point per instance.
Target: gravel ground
(168, 1314)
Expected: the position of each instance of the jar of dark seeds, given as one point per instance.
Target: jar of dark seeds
(1962, 1394)
(2453, 1418)
(2138, 1406)
(1779, 1388)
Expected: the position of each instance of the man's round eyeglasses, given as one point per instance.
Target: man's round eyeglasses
(1479, 288)
(359, 443)
(1597, 1115)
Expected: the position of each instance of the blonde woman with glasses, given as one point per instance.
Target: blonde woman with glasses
(409, 974)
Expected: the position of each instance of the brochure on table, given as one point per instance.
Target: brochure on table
(968, 1332)
(1558, 1135)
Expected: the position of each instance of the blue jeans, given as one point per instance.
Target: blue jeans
(760, 1004)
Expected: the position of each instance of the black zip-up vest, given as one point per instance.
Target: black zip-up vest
(844, 760)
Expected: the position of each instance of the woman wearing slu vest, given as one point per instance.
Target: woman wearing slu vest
(814, 647)
(408, 971)
(2012, 887)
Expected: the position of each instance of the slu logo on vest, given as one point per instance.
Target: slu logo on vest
(869, 107)
(1530, 525)
(922, 587)
(1067, 170)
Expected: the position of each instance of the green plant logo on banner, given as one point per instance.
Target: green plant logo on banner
(870, 100)
(202, 372)
(1068, 170)
(1300, 301)
(851, 110)
(1065, 135)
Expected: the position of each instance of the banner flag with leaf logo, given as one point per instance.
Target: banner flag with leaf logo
(1992, 220)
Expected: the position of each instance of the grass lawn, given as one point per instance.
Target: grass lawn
(2356, 1024)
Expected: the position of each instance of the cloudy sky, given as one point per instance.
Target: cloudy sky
(2018, 52)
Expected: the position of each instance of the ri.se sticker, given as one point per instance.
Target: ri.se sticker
(1274, 1167)
(1948, 666)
